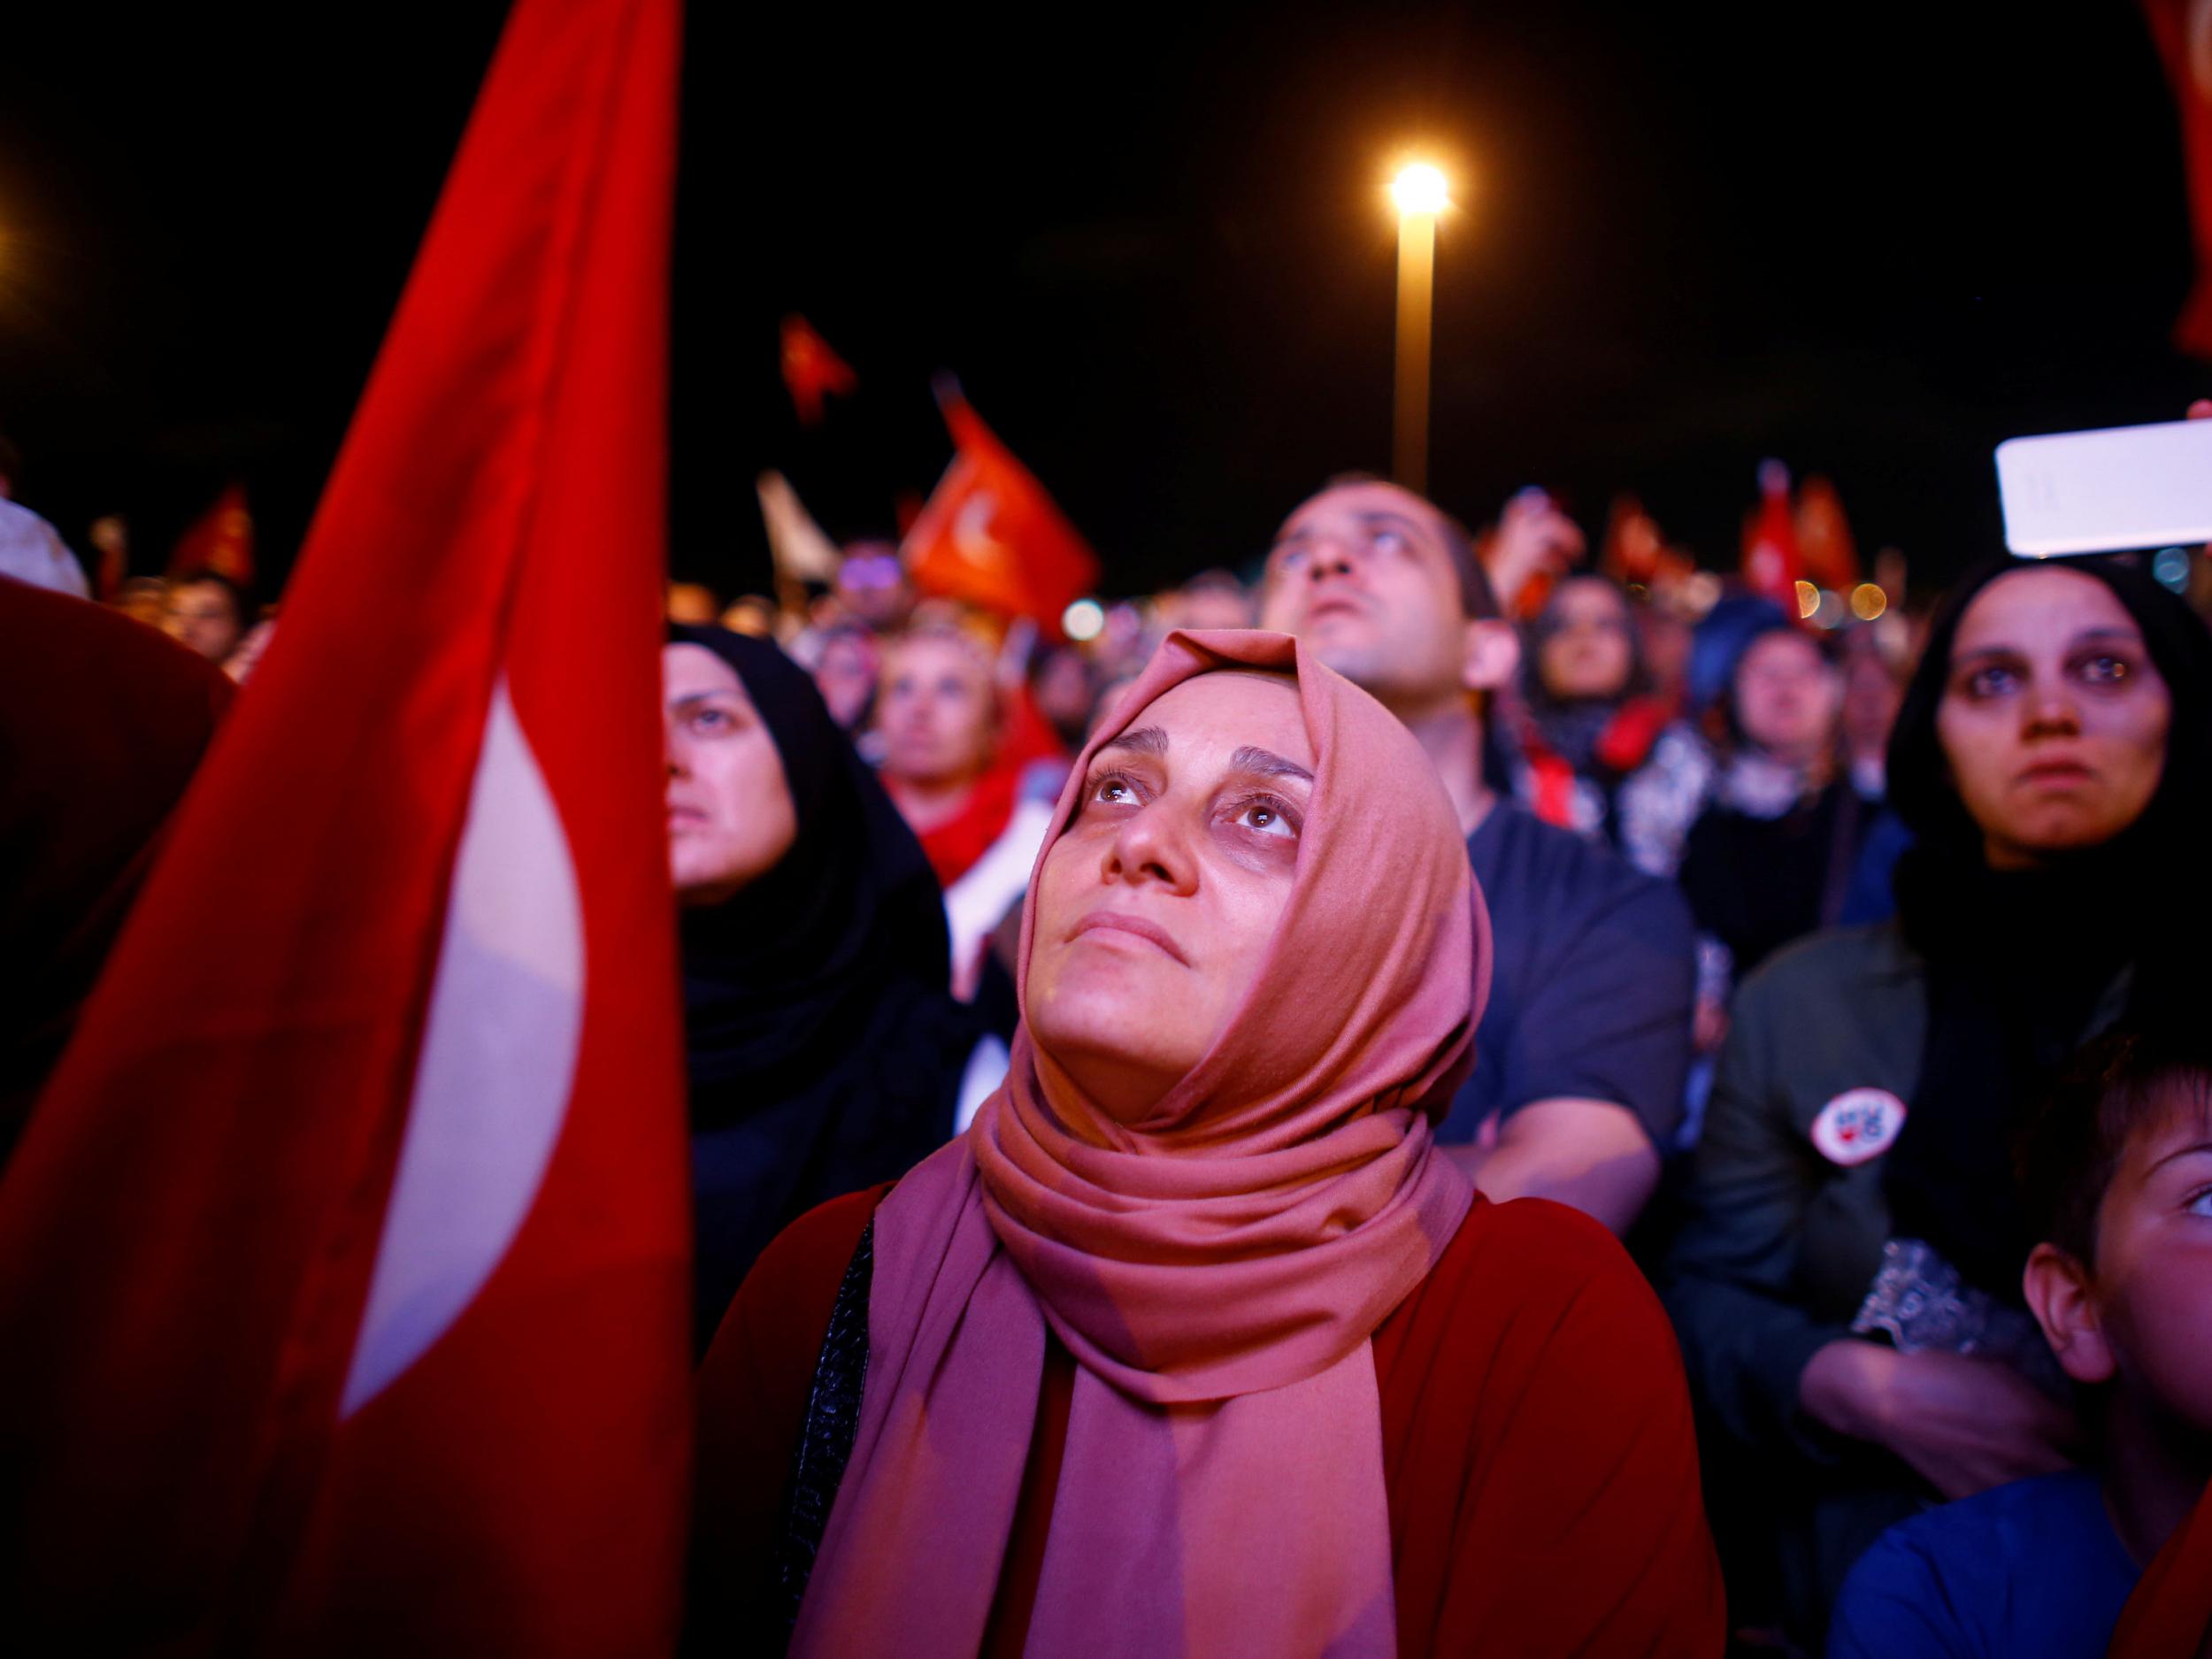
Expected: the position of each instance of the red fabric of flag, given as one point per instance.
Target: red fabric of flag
(342, 1264)
(1772, 567)
(220, 539)
(811, 371)
(2183, 29)
(992, 537)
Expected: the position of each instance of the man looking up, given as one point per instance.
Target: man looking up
(1582, 1050)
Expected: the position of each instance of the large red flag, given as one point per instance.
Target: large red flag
(2183, 29)
(219, 539)
(342, 1264)
(991, 536)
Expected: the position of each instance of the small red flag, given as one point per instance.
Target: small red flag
(1771, 565)
(342, 1264)
(991, 536)
(2183, 29)
(1824, 537)
(811, 371)
(220, 539)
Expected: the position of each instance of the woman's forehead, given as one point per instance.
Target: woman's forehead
(688, 667)
(1231, 708)
(2037, 605)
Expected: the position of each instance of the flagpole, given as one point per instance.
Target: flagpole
(1419, 191)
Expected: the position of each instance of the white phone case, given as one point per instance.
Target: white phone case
(2121, 489)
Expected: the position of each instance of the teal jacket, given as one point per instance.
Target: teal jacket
(1780, 1242)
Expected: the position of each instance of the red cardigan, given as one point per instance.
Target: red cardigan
(1536, 1446)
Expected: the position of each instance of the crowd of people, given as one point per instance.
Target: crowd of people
(1112, 1063)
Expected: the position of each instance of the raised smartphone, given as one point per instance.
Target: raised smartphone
(2121, 489)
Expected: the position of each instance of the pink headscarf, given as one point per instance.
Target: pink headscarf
(1216, 1270)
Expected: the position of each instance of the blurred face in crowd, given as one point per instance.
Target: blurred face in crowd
(2054, 718)
(937, 710)
(203, 616)
(1871, 693)
(1787, 696)
(872, 584)
(689, 602)
(1588, 634)
(846, 677)
(1155, 906)
(1362, 573)
(1213, 605)
(2143, 1312)
(730, 813)
(1063, 693)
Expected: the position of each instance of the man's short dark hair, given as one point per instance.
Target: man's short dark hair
(2113, 1088)
(1477, 597)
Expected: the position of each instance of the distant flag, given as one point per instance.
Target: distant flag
(1771, 565)
(1824, 537)
(1633, 547)
(991, 536)
(2183, 29)
(811, 371)
(219, 539)
(795, 543)
(342, 1264)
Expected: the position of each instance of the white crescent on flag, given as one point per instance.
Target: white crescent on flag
(498, 1061)
(971, 532)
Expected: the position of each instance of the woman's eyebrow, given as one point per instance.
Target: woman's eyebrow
(1262, 763)
(1146, 740)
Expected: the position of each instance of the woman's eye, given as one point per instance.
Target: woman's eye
(1267, 818)
(1388, 542)
(1989, 682)
(2106, 670)
(710, 719)
(1113, 792)
(2199, 1202)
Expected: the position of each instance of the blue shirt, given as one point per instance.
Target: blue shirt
(2029, 1571)
(1593, 973)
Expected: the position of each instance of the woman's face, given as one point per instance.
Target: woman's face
(1586, 651)
(1156, 907)
(730, 814)
(2054, 719)
(936, 710)
(1787, 696)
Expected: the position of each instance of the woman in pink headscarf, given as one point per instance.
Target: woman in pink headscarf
(1195, 1344)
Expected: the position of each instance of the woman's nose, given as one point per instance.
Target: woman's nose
(1149, 848)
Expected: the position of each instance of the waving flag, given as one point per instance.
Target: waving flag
(342, 1264)
(990, 535)
(219, 539)
(1772, 565)
(811, 371)
(2183, 29)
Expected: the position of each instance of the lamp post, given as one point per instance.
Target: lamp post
(1419, 193)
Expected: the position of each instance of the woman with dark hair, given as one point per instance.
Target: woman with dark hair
(1194, 1343)
(1847, 1284)
(826, 1052)
(1599, 751)
(1771, 857)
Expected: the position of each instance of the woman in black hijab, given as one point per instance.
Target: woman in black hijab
(1848, 1283)
(826, 1050)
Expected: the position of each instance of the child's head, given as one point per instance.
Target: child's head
(2116, 1169)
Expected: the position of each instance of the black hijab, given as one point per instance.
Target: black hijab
(2023, 965)
(824, 1047)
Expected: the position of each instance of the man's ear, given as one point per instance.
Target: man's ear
(2061, 1294)
(1492, 654)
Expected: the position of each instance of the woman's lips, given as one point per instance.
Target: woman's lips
(2056, 771)
(1152, 933)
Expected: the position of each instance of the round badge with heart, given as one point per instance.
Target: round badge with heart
(1858, 1125)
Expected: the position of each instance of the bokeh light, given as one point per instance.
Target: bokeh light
(1807, 599)
(1868, 602)
(1083, 619)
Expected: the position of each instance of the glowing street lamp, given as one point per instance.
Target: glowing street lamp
(1420, 193)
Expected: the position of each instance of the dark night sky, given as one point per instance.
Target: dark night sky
(1152, 242)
